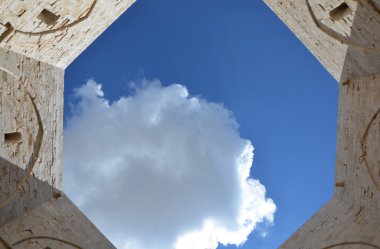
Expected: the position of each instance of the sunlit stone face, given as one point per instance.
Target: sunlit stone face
(337, 15)
(19, 122)
(32, 16)
(20, 134)
(344, 21)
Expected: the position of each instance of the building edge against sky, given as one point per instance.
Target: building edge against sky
(39, 41)
(345, 37)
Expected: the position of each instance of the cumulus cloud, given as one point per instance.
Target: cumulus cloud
(161, 169)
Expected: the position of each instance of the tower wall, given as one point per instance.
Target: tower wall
(38, 40)
(55, 31)
(345, 37)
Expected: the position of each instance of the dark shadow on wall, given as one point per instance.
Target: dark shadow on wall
(34, 215)
(359, 98)
(20, 193)
(363, 56)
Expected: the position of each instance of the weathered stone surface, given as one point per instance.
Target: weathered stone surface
(31, 104)
(329, 39)
(42, 216)
(55, 31)
(345, 37)
(57, 223)
(38, 39)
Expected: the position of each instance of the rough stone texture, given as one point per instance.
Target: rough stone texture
(328, 39)
(345, 37)
(43, 217)
(55, 31)
(38, 39)
(31, 103)
(57, 223)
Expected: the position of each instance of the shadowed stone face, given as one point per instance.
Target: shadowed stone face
(44, 242)
(353, 245)
(377, 3)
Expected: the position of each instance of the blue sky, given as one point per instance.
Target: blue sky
(240, 54)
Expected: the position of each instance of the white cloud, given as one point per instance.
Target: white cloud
(161, 169)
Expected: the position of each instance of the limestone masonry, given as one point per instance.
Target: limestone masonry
(39, 39)
(345, 37)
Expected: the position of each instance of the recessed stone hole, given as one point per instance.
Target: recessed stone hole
(49, 18)
(4, 32)
(340, 11)
(12, 138)
(57, 195)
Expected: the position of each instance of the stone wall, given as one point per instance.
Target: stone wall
(345, 37)
(55, 31)
(38, 40)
